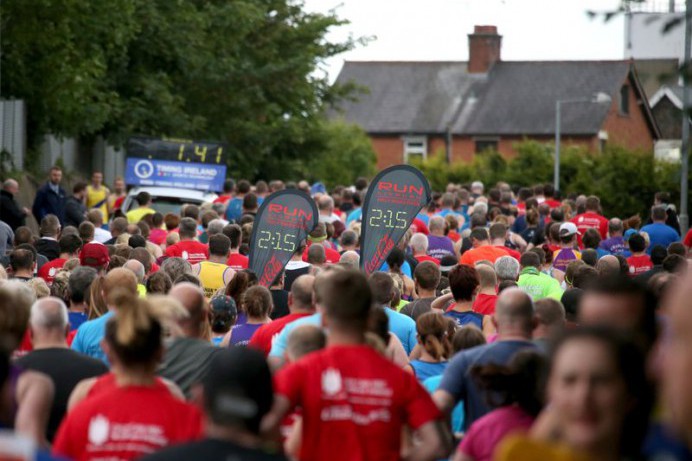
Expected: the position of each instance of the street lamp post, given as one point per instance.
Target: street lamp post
(598, 98)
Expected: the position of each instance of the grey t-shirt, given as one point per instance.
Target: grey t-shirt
(416, 308)
(186, 362)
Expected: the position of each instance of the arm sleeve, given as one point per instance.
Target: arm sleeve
(420, 408)
(77, 342)
(37, 207)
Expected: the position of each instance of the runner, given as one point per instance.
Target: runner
(481, 249)
(188, 247)
(591, 219)
(463, 281)
(214, 273)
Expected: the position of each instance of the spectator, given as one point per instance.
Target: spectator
(10, 211)
(75, 209)
(50, 198)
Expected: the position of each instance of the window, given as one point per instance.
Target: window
(625, 100)
(483, 145)
(415, 148)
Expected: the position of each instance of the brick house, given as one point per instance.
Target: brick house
(417, 109)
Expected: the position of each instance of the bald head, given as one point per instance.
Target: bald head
(437, 225)
(301, 296)
(192, 298)
(11, 186)
(608, 266)
(615, 227)
(350, 259)
(514, 313)
(137, 268)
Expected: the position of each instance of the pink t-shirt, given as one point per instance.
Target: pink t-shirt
(486, 433)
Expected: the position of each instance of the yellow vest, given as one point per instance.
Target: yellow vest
(98, 199)
(211, 276)
(136, 215)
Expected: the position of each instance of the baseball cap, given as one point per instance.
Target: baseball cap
(568, 228)
(224, 305)
(94, 254)
(239, 391)
(447, 263)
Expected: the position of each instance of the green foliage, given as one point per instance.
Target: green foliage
(348, 154)
(240, 71)
(625, 181)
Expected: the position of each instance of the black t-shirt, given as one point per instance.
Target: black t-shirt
(280, 298)
(212, 449)
(66, 368)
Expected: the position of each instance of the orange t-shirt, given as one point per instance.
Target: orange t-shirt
(485, 252)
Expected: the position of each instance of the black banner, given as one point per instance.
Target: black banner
(177, 150)
(284, 220)
(394, 198)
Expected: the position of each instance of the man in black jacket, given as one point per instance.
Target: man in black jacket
(48, 244)
(75, 209)
(10, 211)
(50, 198)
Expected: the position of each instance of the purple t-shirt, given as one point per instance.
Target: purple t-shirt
(614, 245)
(242, 333)
(485, 434)
(562, 258)
(440, 246)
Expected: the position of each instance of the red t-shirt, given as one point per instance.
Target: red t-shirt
(421, 258)
(639, 264)
(332, 255)
(191, 250)
(688, 239)
(47, 271)
(102, 427)
(591, 220)
(236, 261)
(485, 252)
(354, 404)
(552, 203)
(484, 304)
(264, 337)
(513, 253)
(157, 236)
(224, 198)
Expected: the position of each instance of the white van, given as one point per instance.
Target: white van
(168, 199)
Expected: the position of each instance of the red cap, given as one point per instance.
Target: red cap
(94, 255)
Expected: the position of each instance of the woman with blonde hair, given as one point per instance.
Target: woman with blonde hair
(97, 305)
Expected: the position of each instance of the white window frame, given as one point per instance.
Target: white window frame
(415, 145)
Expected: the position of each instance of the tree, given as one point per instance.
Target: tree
(239, 71)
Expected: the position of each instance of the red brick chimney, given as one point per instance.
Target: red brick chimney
(484, 49)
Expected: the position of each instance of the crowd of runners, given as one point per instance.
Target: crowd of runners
(507, 324)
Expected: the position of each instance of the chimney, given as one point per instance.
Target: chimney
(484, 49)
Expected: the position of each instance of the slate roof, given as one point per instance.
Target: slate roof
(514, 98)
(405, 97)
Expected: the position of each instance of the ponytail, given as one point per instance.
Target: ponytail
(433, 331)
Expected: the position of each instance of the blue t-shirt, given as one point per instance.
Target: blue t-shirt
(431, 385)
(660, 234)
(87, 341)
(425, 370)
(234, 209)
(404, 327)
(466, 318)
(405, 268)
(280, 343)
(76, 319)
(354, 215)
(457, 380)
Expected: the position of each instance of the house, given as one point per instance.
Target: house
(417, 109)
(666, 105)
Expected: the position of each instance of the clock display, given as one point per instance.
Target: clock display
(388, 218)
(178, 150)
(276, 241)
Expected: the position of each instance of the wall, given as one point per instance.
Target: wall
(669, 119)
(630, 131)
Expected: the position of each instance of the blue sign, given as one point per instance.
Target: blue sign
(185, 175)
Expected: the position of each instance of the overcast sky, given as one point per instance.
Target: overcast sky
(437, 29)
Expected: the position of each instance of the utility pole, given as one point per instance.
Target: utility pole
(685, 149)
